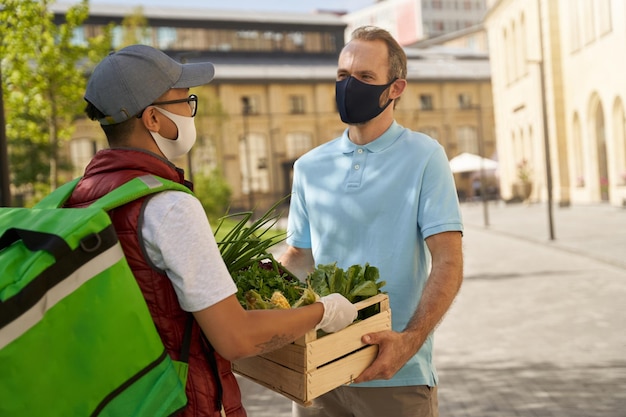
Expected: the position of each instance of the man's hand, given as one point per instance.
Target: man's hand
(394, 350)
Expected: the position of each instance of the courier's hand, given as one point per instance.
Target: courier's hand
(338, 313)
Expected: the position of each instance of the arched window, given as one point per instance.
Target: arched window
(506, 49)
(619, 140)
(523, 52)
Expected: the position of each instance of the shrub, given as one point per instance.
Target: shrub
(213, 192)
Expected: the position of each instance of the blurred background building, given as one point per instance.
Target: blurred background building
(558, 86)
(273, 97)
(536, 85)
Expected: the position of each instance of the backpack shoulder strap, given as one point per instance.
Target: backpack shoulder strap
(125, 193)
(56, 198)
(137, 188)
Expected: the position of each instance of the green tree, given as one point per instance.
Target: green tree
(135, 28)
(213, 192)
(44, 68)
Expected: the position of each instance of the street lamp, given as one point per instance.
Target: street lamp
(245, 111)
(481, 153)
(546, 140)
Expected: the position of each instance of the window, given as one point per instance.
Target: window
(204, 156)
(433, 132)
(298, 143)
(589, 28)
(467, 139)
(250, 104)
(465, 101)
(426, 101)
(78, 37)
(604, 17)
(216, 39)
(296, 104)
(253, 160)
(81, 152)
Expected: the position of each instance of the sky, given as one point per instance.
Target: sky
(289, 6)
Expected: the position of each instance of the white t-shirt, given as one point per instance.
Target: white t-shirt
(178, 239)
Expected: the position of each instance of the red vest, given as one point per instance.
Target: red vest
(109, 169)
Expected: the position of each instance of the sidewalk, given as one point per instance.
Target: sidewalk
(595, 231)
(538, 328)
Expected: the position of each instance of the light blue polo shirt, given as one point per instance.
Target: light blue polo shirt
(377, 203)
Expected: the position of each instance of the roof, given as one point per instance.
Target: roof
(207, 14)
(446, 37)
(433, 67)
(432, 64)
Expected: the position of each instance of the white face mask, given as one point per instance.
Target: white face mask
(174, 148)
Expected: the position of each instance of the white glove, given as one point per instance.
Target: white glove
(338, 313)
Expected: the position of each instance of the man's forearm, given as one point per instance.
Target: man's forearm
(439, 292)
(298, 261)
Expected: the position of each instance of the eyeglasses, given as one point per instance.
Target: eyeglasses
(192, 100)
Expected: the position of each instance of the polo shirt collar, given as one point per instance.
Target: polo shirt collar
(377, 145)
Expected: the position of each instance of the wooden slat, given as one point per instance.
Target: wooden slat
(333, 346)
(338, 373)
(273, 376)
(292, 356)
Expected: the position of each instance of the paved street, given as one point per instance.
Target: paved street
(538, 329)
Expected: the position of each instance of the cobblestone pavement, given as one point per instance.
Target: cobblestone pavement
(538, 329)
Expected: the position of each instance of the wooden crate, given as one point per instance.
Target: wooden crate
(312, 365)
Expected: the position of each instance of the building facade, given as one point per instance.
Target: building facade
(271, 102)
(411, 21)
(559, 91)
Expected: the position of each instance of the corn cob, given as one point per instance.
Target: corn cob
(278, 300)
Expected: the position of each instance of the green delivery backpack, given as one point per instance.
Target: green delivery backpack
(76, 336)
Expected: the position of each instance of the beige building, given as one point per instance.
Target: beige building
(559, 89)
(271, 102)
(293, 109)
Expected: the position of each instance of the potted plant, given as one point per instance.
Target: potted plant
(523, 186)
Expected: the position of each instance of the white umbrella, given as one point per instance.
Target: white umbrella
(467, 162)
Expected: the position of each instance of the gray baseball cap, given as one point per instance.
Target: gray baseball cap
(129, 80)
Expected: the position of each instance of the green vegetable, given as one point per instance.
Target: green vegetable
(247, 244)
(265, 278)
(365, 289)
(318, 279)
(258, 275)
(352, 277)
(308, 297)
(254, 301)
(356, 283)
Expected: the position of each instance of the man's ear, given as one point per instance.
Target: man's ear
(150, 120)
(397, 88)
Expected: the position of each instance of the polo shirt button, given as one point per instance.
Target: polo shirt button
(357, 166)
(360, 150)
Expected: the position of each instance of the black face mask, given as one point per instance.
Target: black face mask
(359, 102)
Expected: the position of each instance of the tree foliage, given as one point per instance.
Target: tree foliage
(135, 28)
(44, 66)
(213, 192)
